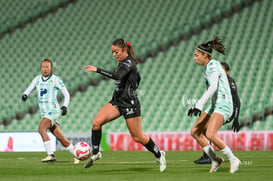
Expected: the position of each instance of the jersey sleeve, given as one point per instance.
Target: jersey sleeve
(60, 85)
(31, 87)
(209, 92)
(123, 69)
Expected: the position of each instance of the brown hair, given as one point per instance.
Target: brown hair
(125, 44)
(216, 44)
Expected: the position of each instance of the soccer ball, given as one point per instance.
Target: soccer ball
(82, 150)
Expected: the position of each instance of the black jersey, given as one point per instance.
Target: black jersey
(233, 88)
(235, 99)
(127, 79)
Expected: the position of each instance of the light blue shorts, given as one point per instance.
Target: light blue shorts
(225, 109)
(53, 115)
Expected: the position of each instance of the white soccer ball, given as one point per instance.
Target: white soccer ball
(82, 150)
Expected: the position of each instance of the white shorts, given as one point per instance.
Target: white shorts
(53, 115)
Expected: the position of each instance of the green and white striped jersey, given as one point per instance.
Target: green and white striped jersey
(217, 85)
(47, 90)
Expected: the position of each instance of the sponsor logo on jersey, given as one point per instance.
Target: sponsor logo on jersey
(43, 92)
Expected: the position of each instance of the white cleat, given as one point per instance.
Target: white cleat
(215, 164)
(162, 161)
(76, 161)
(91, 160)
(49, 158)
(234, 165)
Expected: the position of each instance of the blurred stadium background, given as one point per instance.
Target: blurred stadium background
(164, 34)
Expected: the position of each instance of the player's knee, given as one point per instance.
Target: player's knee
(96, 124)
(193, 133)
(210, 136)
(41, 131)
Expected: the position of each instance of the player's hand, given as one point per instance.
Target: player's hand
(236, 125)
(24, 97)
(194, 111)
(90, 68)
(64, 110)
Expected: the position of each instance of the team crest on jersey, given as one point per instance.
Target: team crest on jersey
(51, 82)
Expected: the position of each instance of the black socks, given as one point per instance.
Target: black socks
(96, 137)
(152, 148)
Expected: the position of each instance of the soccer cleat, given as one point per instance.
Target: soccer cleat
(91, 160)
(215, 164)
(162, 161)
(203, 160)
(234, 165)
(76, 161)
(49, 158)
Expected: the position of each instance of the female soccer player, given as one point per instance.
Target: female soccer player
(235, 115)
(47, 86)
(220, 109)
(124, 102)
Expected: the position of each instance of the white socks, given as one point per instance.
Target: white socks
(48, 147)
(70, 148)
(210, 152)
(228, 153)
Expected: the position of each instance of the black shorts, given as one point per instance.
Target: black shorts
(127, 108)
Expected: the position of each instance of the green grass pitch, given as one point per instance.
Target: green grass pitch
(132, 165)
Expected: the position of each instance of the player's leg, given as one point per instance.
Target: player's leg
(43, 126)
(106, 114)
(135, 128)
(57, 132)
(197, 132)
(215, 124)
(204, 159)
(198, 129)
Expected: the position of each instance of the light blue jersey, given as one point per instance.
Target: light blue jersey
(47, 90)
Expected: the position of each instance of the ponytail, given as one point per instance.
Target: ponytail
(123, 44)
(216, 44)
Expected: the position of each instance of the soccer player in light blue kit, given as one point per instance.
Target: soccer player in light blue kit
(47, 86)
(220, 109)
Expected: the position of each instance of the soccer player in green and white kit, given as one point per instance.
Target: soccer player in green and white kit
(220, 109)
(47, 86)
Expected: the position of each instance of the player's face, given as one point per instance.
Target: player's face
(119, 53)
(46, 68)
(201, 58)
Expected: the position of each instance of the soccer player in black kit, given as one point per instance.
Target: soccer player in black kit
(124, 102)
(235, 115)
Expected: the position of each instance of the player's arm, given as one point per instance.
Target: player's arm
(206, 96)
(209, 92)
(119, 74)
(122, 71)
(29, 89)
(66, 95)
